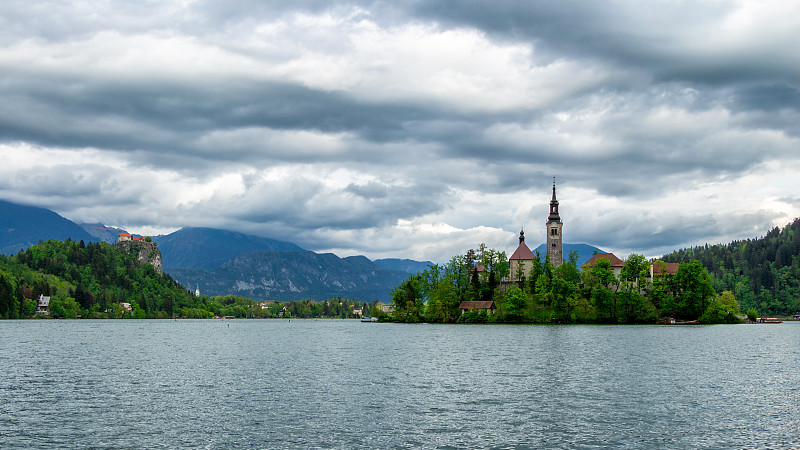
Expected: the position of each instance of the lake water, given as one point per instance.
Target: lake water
(346, 384)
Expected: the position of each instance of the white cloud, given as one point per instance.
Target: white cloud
(338, 127)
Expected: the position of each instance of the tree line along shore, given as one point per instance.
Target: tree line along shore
(103, 281)
(471, 288)
(713, 283)
(100, 280)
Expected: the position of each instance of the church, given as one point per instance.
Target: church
(521, 261)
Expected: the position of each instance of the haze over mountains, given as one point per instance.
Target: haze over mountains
(293, 275)
(24, 226)
(585, 251)
(207, 248)
(221, 262)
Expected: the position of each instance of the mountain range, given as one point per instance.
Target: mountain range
(403, 265)
(23, 226)
(221, 262)
(293, 275)
(207, 248)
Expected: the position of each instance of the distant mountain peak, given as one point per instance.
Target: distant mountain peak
(585, 251)
(103, 232)
(207, 248)
(403, 265)
(22, 226)
(294, 275)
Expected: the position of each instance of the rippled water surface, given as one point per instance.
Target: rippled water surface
(345, 384)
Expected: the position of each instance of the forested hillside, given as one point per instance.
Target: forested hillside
(93, 280)
(99, 280)
(762, 273)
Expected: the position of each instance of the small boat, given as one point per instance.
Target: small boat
(768, 320)
(369, 319)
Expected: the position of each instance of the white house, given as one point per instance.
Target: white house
(43, 305)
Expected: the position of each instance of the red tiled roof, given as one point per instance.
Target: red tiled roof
(612, 258)
(522, 252)
(125, 234)
(671, 268)
(476, 305)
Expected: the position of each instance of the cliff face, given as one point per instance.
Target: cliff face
(147, 253)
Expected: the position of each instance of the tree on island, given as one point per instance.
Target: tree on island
(561, 294)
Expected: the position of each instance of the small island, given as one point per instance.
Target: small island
(484, 286)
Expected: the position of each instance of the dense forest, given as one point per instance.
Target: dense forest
(762, 273)
(563, 294)
(98, 280)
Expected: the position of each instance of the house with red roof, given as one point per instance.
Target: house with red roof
(128, 237)
(660, 268)
(487, 306)
(616, 263)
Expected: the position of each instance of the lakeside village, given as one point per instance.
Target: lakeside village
(483, 286)
(68, 279)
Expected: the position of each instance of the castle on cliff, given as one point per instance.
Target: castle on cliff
(123, 237)
(145, 249)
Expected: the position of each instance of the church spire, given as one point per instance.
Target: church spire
(554, 217)
(555, 244)
(521, 236)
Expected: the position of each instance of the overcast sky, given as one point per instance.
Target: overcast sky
(413, 129)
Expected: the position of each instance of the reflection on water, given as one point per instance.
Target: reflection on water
(332, 383)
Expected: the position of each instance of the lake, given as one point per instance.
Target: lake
(347, 384)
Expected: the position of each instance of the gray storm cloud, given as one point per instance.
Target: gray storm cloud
(407, 129)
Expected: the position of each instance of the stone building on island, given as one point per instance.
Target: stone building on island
(521, 261)
(555, 242)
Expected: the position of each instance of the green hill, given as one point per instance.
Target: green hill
(762, 273)
(93, 280)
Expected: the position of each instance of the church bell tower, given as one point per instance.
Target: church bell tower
(554, 237)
